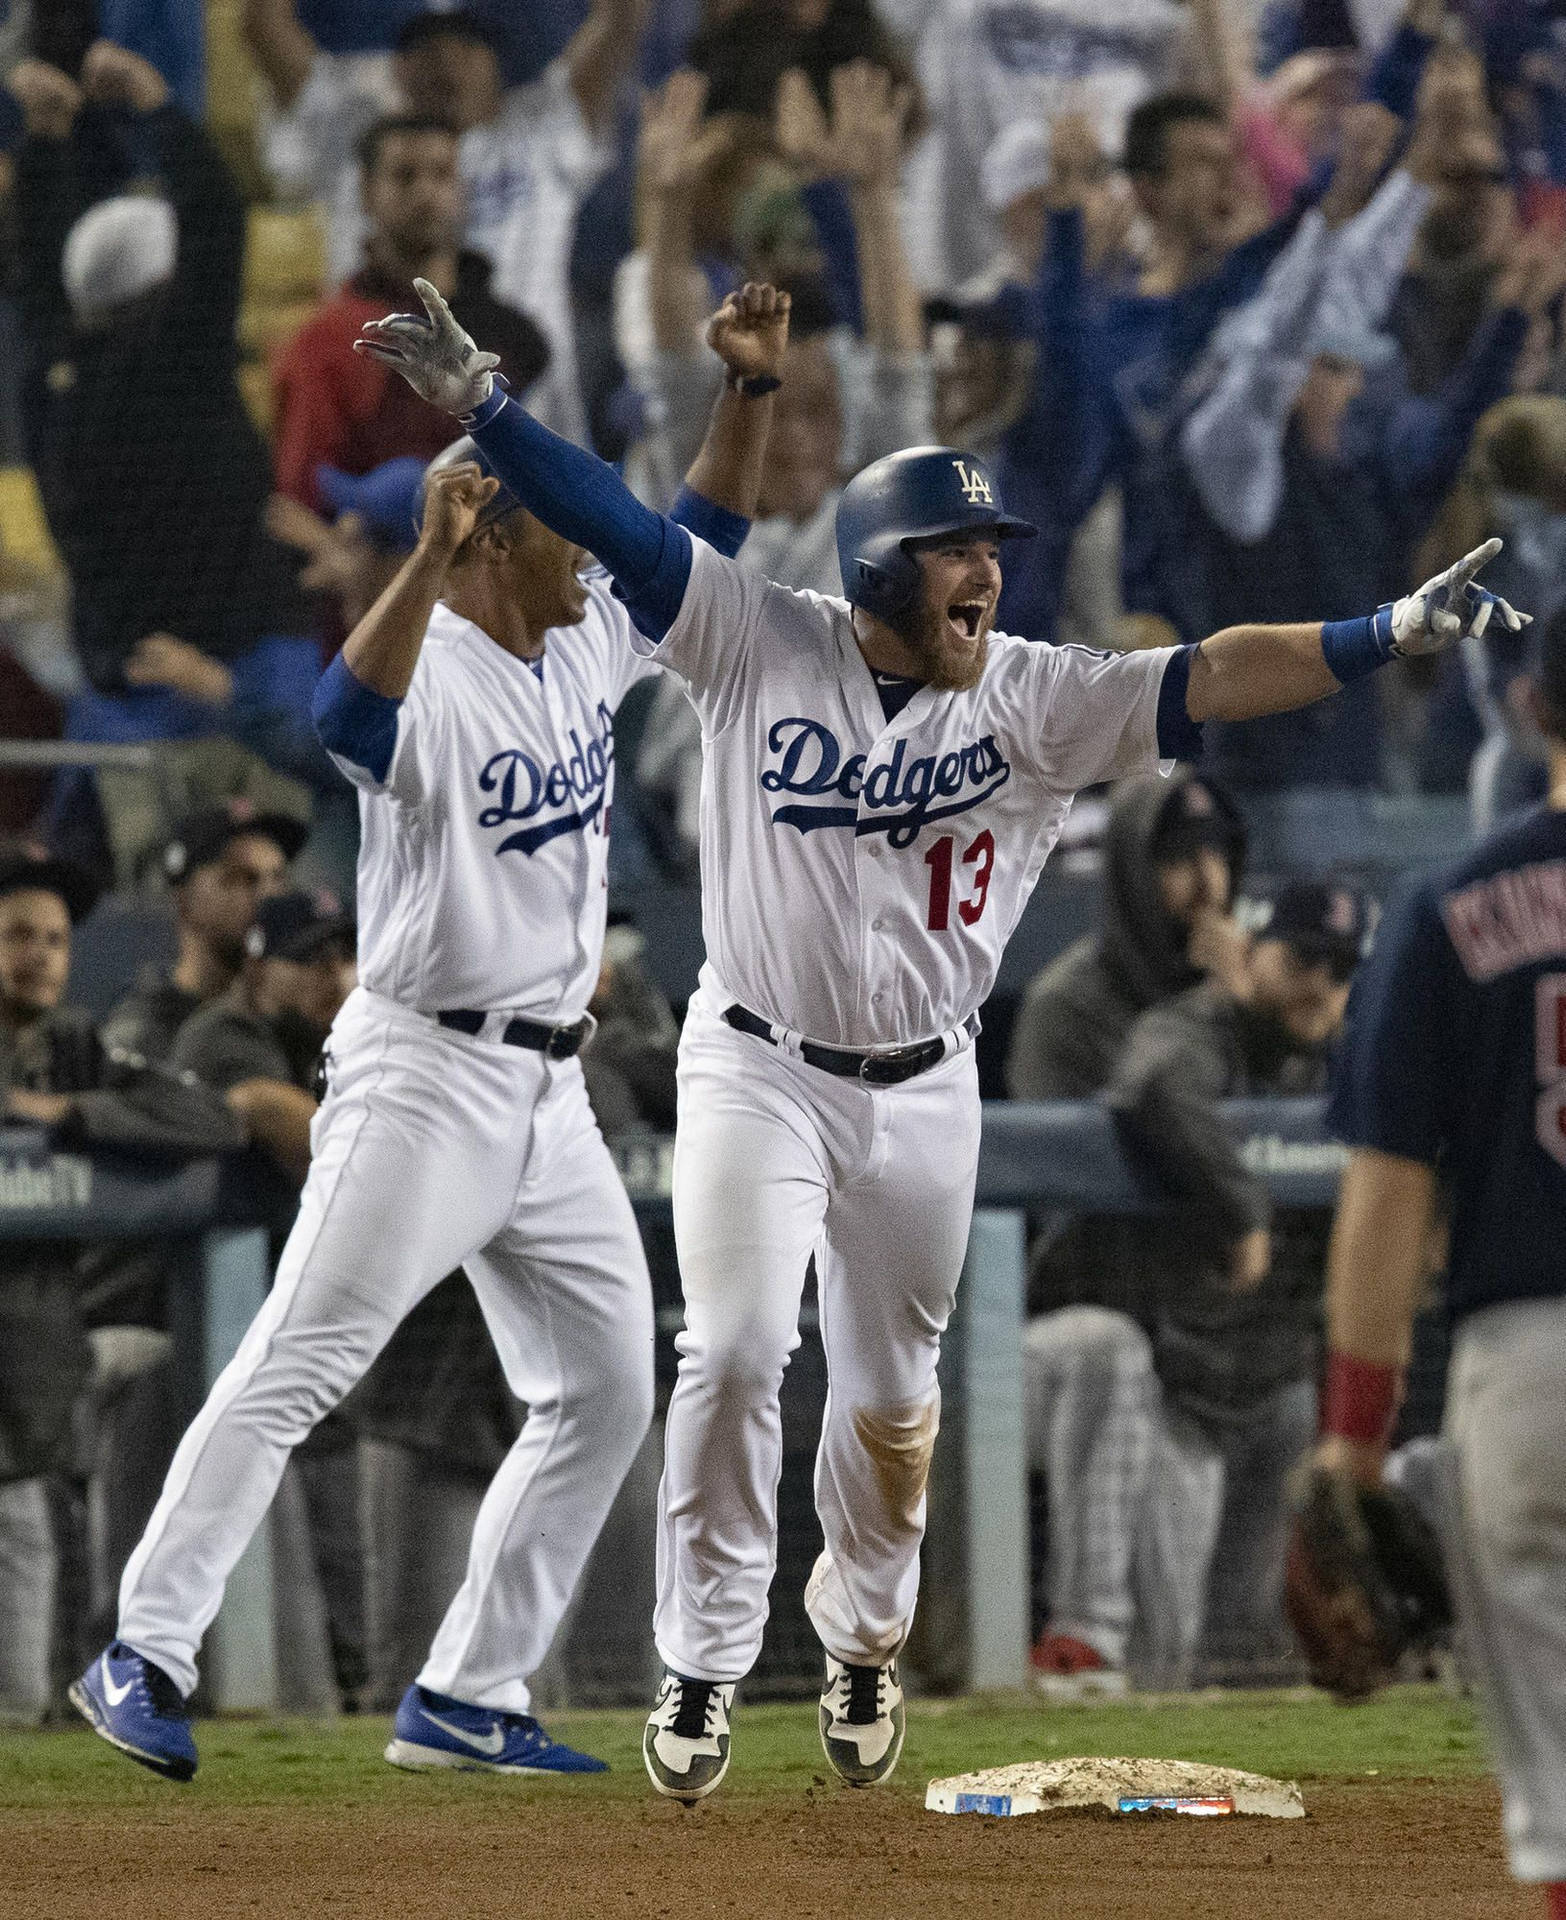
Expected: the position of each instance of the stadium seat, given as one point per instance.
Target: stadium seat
(285, 271)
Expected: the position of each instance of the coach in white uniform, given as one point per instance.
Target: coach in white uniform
(883, 781)
(456, 1129)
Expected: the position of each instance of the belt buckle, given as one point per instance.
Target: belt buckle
(560, 1045)
(898, 1057)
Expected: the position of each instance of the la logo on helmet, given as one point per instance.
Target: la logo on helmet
(975, 488)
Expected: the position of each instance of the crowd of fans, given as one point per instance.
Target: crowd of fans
(1257, 309)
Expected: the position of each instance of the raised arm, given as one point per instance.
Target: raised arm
(203, 192)
(573, 492)
(1246, 672)
(861, 147)
(599, 56)
(383, 649)
(357, 700)
(1233, 442)
(1065, 431)
(1427, 438)
(673, 150)
(749, 334)
(280, 47)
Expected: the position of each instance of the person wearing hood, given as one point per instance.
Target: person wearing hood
(1172, 860)
(1173, 857)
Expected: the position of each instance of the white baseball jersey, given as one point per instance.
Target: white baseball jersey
(861, 876)
(483, 859)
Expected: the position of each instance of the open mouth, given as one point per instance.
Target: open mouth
(967, 616)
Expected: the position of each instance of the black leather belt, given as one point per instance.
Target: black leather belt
(885, 1069)
(558, 1043)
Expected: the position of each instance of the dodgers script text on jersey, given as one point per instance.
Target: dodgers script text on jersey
(530, 790)
(899, 795)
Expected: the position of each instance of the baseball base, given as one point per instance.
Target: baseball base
(1040, 1786)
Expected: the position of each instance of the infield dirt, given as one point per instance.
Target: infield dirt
(294, 1820)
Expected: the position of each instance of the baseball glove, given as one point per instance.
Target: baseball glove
(1364, 1581)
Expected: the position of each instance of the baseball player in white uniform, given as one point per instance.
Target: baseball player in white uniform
(883, 781)
(473, 709)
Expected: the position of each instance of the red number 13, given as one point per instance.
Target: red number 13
(981, 857)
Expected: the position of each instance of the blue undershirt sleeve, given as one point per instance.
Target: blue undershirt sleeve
(1179, 736)
(584, 500)
(353, 721)
(708, 521)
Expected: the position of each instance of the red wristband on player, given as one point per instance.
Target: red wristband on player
(1361, 1399)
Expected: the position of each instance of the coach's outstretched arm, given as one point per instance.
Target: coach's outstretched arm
(1245, 672)
(571, 491)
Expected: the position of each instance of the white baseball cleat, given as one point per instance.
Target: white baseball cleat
(686, 1742)
(862, 1721)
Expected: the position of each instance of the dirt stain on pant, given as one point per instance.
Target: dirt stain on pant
(901, 1442)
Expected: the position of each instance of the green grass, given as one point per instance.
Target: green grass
(253, 1763)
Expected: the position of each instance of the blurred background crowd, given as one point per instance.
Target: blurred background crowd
(1256, 308)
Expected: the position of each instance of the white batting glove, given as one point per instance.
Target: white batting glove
(1450, 607)
(437, 358)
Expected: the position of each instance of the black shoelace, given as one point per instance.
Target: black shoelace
(864, 1696)
(167, 1700)
(698, 1700)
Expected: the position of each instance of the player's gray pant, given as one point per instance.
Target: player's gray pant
(431, 1151)
(28, 1571)
(1506, 1552)
(1160, 1537)
(776, 1160)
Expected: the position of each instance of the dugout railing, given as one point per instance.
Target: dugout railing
(1035, 1156)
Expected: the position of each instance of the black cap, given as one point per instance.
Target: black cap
(294, 926)
(1198, 813)
(41, 873)
(200, 838)
(1329, 920)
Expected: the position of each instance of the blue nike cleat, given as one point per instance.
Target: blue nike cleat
(432, 1730)
(136, 1707)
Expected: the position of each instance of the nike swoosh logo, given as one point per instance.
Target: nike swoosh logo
(113, 1693)
(490, 1743)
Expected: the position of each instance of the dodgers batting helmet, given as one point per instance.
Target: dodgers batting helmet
(917, 494)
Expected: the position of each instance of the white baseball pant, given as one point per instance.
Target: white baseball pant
(1504, 1503)
(431, 1151)
(775, 1161)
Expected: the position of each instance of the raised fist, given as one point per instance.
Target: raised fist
(113, 75)
(749, 332)
(454, 497)
(50, 100)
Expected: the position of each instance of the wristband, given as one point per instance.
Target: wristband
(1353, 648)
(486, 409)
(1361, 1399)
(751, 386)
